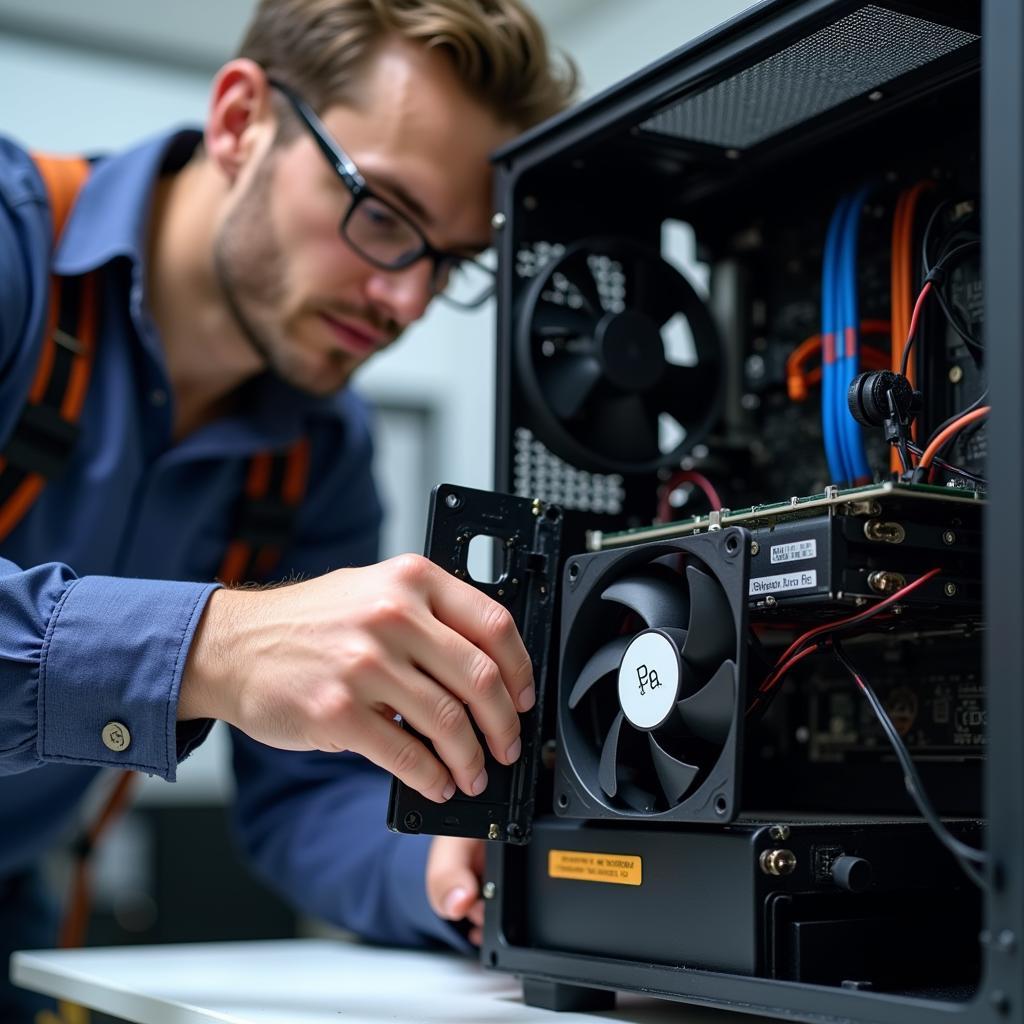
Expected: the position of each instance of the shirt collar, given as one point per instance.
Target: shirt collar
(110, 216)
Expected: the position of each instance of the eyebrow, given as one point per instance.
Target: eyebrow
(420, 212)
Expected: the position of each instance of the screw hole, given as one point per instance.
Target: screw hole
(574, 571)
(563, 801)
(732, 543)
(493, 959)
(721, 805)
(553, 513)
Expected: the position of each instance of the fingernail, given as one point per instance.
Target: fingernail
(513, 752)
(479, 784)
(453, 899)
(527, 698)
(449, 790)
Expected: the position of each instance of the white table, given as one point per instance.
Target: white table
(313, 981)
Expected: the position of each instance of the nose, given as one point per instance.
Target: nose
(402, 294)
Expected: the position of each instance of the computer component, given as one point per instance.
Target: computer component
(826, 158)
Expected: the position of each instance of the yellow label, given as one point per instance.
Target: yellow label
(617, 868)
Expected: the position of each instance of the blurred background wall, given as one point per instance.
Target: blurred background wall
(90, 77)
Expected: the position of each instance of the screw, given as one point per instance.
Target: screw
(493, 831)
(732, 154)
(1007, 941)
(754, 547)
(948, 537)
(956, 374)
(950, 589)
(536, 507)
(452, 500)
(1000, 1001)
(770, 601)
(501, 592)
(778, 862)
(780, 833)
(489, 890)
(498, 221)
(413, 820)
(876, 96)
(529, 202)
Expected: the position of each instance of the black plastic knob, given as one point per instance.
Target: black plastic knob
(854, 874)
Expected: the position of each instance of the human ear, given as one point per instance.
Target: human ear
(239, 116)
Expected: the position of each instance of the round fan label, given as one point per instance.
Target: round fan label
(649, 679)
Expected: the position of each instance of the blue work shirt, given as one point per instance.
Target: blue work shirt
(103, 582)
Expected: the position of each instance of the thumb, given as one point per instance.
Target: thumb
(452, 881)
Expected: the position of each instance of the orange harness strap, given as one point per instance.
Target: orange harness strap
(44, 436)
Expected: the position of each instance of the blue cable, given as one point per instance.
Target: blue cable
(851, 440)
(829, 312)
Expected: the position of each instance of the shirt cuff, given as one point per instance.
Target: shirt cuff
(110, 672)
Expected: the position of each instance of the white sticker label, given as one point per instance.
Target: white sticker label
(794, 552)
(785, 582)
(649, 680)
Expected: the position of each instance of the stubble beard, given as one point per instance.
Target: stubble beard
(250, 268)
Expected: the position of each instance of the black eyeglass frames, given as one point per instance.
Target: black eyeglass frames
(386, 237)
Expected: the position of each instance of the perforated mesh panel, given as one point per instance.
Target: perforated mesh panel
(538, 473)
(851, 57)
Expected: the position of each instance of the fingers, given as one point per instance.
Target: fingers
(454, 868)
(466, 671)
(397, 751)
(435, 713)
(491, 628)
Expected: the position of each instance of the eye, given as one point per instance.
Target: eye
(381, 217)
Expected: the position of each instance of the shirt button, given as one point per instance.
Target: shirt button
(158, 397)
(116, 737)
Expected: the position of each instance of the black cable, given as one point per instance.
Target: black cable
(968, 857)
(949, 467)
(976, 404)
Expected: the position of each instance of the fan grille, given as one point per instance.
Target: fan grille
(538, 473)
(851, 57)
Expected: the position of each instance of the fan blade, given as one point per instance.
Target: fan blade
(710, 637)
(606, 659)
(607, 773)
(553, 321)
(576, 269)
(650, 287)
(637, 798)
(623, 428)
(685, 392)
(709, 712)
(675, 776)
(566, 381)
(658, 602)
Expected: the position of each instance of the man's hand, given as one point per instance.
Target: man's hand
(454, 870)
(326, 664)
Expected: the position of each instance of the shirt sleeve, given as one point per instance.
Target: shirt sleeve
(313, 824)
(81, 654)
(313, 827)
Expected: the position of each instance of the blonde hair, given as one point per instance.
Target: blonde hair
(497, 47)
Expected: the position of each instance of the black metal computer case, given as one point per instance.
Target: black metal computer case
(743, 141)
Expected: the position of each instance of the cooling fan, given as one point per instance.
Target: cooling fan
(606, 387)
(652, 680)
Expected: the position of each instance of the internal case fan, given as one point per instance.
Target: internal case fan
(652, 680)
(603, 392)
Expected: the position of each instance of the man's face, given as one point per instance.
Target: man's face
(311, 306)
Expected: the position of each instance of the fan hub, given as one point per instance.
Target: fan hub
(631, 349)
(649, 677)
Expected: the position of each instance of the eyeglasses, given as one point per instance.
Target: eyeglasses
(384, 236)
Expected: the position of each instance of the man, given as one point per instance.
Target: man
(242, 276)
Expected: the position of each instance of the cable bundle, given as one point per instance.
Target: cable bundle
(840, 338)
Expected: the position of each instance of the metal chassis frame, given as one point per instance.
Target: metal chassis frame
(1001, 994)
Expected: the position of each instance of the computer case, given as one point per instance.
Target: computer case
(785, 871)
